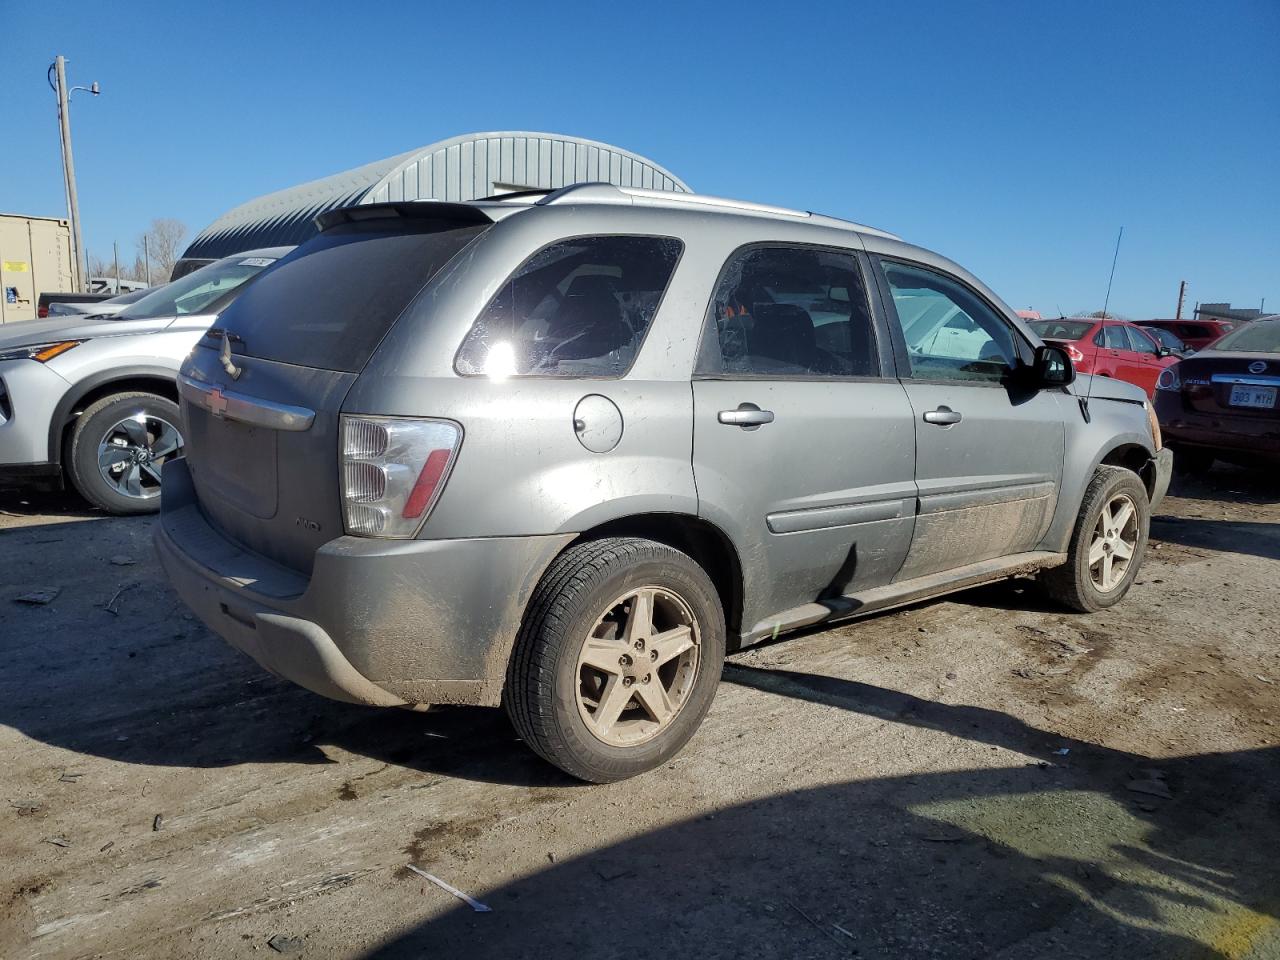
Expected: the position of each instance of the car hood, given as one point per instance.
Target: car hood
(86, 328)
(1105, 388)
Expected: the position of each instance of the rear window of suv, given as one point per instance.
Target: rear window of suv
(330, 303)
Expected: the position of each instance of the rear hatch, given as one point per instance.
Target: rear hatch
(263, 436)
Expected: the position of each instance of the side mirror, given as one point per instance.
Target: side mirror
(1052, 367)
(1164, 352)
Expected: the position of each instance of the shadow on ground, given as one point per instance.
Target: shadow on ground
(116, 667)
(1235, 536)
(1238, 485)
(1050, 856)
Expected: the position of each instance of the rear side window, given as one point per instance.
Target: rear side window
(330, 303)
(578, 308)
(790, 312)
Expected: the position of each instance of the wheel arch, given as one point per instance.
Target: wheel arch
(708, 545)
(1131, 456)
(1121, 448)
(90, 390)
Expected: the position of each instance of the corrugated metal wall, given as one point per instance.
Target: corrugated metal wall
(464, 168)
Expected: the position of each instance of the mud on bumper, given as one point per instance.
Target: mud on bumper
(1160, 468)
(380, 622)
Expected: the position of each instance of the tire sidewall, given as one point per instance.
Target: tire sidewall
(1110, 484)
(681, 575)
(88, 433)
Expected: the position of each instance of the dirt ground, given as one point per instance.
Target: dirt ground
(985, 776)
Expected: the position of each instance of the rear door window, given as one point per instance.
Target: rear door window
(330, 303)
(789, 311)
(577, 308)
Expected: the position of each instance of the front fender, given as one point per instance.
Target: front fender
(1113, 426)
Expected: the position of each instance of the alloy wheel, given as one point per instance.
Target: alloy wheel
(637, 666)
(131, 453)
(1115, 538)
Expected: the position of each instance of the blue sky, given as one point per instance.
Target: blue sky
(1014, 137)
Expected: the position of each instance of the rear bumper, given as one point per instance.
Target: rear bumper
(1256, 438)
(378, 622)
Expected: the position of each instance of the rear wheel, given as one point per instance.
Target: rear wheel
(1107, 545)
(118, 447)
(618, 659)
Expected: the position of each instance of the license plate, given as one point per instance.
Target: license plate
(1246, 396)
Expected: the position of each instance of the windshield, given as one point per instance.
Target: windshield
(1260, 336)
(1165, 337)
(1061, 329)
(196, 292)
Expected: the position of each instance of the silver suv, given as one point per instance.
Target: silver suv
(563, 453)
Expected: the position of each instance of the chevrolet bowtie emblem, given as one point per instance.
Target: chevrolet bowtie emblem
(216, 402)
(227, 363)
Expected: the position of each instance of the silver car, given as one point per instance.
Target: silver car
(93, 400)
(100, 308)
(562, 455)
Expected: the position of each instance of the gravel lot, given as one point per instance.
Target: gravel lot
(985, 776)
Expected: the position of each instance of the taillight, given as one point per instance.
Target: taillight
(1169, 379)
(393, 471)
(1075, 355)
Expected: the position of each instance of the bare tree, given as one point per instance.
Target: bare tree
(164, 245)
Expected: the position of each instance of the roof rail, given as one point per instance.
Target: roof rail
(640, 196)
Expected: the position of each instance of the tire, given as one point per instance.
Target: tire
(1076, 584)
(1192, 461)
(136, 430)
(584, 595)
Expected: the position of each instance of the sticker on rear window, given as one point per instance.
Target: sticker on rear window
(258, 262)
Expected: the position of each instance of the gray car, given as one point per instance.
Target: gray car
(94, 400)
(562, 454)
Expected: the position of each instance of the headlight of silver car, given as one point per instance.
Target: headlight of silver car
(43, 352)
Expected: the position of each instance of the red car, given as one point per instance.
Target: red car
(1109, 348)
(1196, 334)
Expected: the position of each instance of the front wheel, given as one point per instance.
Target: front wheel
(1107, 545)
(618, 659)
(118, 447)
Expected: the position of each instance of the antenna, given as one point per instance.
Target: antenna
(1097, 348)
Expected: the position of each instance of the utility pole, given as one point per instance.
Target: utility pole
(69, 167)
(1182, 295)
(115, 252)
(146, 258)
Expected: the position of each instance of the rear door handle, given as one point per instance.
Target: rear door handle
(748, 416)
(943, 416)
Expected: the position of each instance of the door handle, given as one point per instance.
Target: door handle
(748, 416)
(943, 416)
